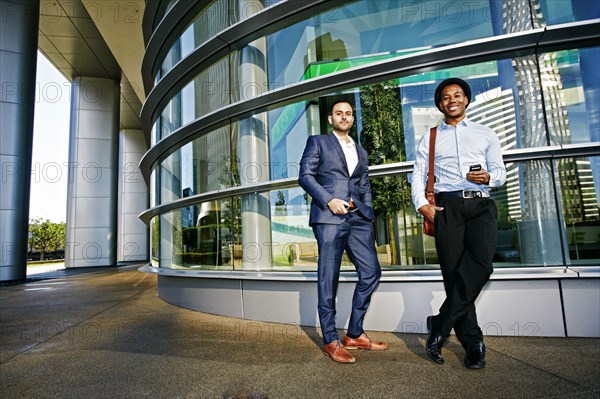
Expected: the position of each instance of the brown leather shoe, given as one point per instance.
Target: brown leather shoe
(336, 351)
(364, 342)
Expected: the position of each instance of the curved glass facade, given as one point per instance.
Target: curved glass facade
(224, 194)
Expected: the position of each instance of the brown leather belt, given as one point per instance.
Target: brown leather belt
(351, 206)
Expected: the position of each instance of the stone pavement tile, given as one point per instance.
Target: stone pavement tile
(127, 343)
(574, 359)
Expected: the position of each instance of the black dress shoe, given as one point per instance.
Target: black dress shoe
(434, 343)
(475, 355)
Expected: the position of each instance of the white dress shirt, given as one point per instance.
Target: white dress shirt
(456, 149)
(349, 151)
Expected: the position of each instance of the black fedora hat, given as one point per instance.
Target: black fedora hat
(451, 81)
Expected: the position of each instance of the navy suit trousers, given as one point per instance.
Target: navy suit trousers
(356, 236)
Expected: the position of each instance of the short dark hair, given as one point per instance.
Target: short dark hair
(336, 102)
(452, 81)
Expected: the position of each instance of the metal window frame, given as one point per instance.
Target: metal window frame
(172, 26)
(571, 35)
(553, 152)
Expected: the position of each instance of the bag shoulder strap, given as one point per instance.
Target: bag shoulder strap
(430, 175)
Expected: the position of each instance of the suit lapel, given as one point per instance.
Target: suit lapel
(336, 144)
(361, 158)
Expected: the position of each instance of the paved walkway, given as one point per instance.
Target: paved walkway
(39, 268)
(103, 333)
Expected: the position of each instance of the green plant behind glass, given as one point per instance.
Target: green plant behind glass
(382, 136)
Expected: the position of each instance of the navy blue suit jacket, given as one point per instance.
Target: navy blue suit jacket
(324, 176)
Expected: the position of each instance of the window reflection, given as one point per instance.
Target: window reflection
(198, 167)
(214, 18)
(289, 127)
(547, 211)
(571, 91)
(154, 241)
(210, 21)
(399, 236)
(293, 241)
(294, 247)
(199, 236)
(207, 92)
(579, 182)
(563, 11)
(528, 233)
(366, 31)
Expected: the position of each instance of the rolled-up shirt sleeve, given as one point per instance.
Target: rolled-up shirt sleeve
(419, 178)
(495, 163)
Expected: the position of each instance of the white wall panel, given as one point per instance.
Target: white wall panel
(582, 307)
(505, 307)
(223, 297)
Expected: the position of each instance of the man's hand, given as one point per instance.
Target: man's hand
(428, 211)
(479, 177)
(338, 206)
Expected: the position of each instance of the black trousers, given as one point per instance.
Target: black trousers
(466, 235)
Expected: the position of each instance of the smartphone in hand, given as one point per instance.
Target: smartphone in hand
(475, 168)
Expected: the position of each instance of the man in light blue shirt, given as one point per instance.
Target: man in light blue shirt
(467, 164)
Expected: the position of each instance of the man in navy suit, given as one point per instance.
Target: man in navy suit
(334, 172)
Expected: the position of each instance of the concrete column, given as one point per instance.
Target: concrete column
(133, 198)
(93, 172)
(18, 59)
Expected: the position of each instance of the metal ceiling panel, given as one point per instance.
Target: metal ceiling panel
(71, 40)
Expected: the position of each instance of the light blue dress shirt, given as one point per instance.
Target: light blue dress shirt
(456, 149)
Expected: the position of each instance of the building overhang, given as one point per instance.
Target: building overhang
(103, 39)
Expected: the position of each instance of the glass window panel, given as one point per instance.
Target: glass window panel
(199, 97)
(528, 223)
(155, 241)
(250, 143)
(214, 18)
(255, 232)
(210, 21)
(294, 244)
(502, 93)
(249, 71)
(382, 118)
(505, 97)
(399, 237)
(294, 247)
(367, 31)
(289, 127)
(528, 228)
(169, 172)
(564, 11)
(200, 166)
(579, 182)
(153, 191)
(170, 117)
(571, 86)
(533, 229)
(171, 59)
(198, 236)
(155, 132)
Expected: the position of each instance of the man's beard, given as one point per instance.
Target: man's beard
(342, 128)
